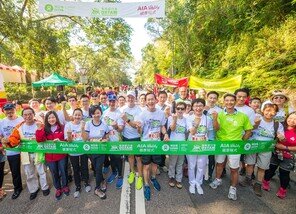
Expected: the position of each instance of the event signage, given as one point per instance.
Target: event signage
(155, 9)
(229, 84)
(162, 80)
(148, 147)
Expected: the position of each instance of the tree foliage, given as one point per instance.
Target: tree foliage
(220, 38)
(45, 44)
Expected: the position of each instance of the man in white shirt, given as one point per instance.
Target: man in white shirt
(130, 133)
(241, 96)
(151, 123)
(14, 159)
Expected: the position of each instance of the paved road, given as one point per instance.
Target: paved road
(168, 200)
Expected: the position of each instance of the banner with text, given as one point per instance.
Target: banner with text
(229, 84)
(148, 147)
(162, 80)
(154, 9)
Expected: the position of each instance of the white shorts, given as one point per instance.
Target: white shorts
(233, 160)
(262, 159)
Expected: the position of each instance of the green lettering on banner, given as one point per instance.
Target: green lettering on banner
(148, 147)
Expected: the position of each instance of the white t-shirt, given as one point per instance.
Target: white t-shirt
(212, 133)
(162, 107)
(151, 123)
(108, 118)
(265, 130)
(181, 128)
(76, 133)
(205, 125)
(96, 132)
(131, 113)
(211, 110)
(6, 128)
(142, 107)
(122, 108)
(248, 111)
(29, 131)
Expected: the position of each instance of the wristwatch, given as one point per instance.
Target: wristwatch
(128, 121)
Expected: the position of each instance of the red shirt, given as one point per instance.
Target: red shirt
(41, 136)
(290, 140)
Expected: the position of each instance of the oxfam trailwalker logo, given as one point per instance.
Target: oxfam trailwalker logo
(247, 146)
(86, 147)
(165, 147)
(48, 7)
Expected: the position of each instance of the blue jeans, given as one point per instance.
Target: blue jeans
(58, 171)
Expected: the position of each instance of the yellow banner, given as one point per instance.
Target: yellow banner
(223, 85)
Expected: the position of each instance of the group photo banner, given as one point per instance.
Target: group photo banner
(147, 147)
(229, 84)
(162, 80)
(154, 9)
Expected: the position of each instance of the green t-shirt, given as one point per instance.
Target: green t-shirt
(232, 126)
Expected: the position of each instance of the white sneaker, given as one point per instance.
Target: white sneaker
(199, 190)
(232, 193)
(88, 188)
(217, 182)
(76, 194)
(192, 189)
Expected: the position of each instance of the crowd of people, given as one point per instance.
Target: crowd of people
(149, 116)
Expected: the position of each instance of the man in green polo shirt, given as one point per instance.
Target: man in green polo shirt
(230, 124)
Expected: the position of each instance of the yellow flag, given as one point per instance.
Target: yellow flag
(229, 84)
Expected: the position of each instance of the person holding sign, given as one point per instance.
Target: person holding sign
(230, 125)
(151, 123)
(178, 126)
(57, 163)
(97, 131)
(284, 158)
(73, 132)
(199, 126)
(32, 162)
(14, 158)
(112, 118)
(265, 129)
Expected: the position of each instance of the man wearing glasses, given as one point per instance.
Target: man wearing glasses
(14, 158)
(30, 161)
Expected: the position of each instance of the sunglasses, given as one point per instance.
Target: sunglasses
(279, 97)
(180, 109)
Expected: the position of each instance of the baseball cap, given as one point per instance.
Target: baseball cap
(131, 93)
(8, 106)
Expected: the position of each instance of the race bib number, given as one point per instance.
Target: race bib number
(198, 138)
(154, 135)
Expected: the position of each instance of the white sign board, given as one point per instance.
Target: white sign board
(154, 9)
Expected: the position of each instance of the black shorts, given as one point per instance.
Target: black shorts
(148, 159)
(132, 139)
(285, 164)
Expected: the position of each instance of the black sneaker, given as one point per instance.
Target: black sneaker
(34, 195)
(100, 194)
(16, 194)
(46, 192)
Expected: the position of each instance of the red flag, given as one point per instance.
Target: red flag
(159, 79)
